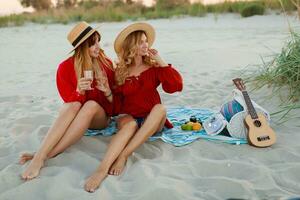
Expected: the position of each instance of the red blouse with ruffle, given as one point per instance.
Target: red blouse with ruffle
(140, 95)
(66, 82)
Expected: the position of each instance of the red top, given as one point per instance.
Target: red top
(140, 93)
(66, 81)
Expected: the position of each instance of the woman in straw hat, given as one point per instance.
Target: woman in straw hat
(138, 74)
(87, 100)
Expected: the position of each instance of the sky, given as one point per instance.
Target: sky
(14, 6)
(11, 6)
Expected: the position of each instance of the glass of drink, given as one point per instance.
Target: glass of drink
(89, 74)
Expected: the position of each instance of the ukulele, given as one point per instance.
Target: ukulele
(260, 134)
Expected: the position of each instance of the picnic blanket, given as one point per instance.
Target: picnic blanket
(176, 136)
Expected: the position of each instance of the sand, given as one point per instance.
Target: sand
(208, 52)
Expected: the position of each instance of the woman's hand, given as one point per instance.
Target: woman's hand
(153, 53)
(83, 85)
(102, 85)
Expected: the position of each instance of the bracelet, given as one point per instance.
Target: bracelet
(109, 94)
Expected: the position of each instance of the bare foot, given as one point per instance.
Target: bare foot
(25, 157)
(118, 166)
(33, 169)
(94, 181)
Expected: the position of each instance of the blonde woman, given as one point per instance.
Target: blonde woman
(140, 71)
(87, 100)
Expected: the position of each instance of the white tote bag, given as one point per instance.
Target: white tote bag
(236, 126)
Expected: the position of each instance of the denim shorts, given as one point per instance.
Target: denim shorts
(139, 121)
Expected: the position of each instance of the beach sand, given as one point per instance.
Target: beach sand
(208, 52)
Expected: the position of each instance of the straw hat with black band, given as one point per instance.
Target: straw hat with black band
(139, 26)
(80, 33)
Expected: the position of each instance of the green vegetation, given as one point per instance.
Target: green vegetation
(252, 9)
(117, 10)
(239, 6)
(37, 4)
(12, 20)
(283, 75)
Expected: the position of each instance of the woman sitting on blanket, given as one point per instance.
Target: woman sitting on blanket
(138, 74)
(87, 101)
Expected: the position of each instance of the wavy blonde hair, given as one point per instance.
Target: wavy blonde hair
(126, 56)
(83, 61)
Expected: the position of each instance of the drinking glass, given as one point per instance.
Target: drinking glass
(89, 74)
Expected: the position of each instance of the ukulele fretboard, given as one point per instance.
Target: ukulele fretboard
(250, 106)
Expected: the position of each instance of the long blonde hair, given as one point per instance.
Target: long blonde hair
(83, 61)
(126, 56)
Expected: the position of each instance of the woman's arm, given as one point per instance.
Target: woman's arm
(102, 85)
(169, 77)
(66, 85)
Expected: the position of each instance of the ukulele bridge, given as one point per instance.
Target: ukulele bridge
(263, 138)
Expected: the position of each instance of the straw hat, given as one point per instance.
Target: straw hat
(140, 26)
(80, 33)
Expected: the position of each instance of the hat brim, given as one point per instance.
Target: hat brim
(140, 26)
(85, 38)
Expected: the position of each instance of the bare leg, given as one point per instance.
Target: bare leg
(117, 144)
(153, 123)
(91, 115)
(57, 130)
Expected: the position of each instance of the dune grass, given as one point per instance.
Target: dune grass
(282, 74)
(119, 11)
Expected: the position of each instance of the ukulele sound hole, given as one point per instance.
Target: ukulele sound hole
(257, 123)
